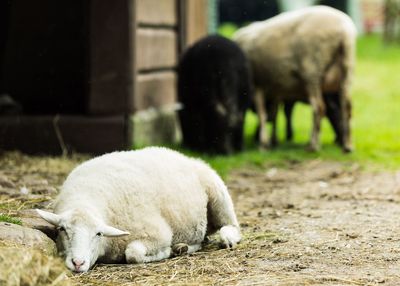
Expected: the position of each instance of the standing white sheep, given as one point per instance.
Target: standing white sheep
(302, 55)
(158, 197)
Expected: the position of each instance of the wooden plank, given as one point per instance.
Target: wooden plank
(155, 90)
(195, 20)
(181, 29)
(47, 134)
(111, 56)
(31, 135)
(156, 12)
(96, 135)
(155, 49)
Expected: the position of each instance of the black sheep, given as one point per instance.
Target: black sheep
(214, 87)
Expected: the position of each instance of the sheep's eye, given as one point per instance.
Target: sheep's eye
(61, 228)
(99, 234)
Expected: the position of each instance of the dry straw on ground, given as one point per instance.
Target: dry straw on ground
(210, 266)
(29, 267)
(309, 223)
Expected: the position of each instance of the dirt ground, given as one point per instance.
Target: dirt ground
(309, 223)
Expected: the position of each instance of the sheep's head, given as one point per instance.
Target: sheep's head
(81, 237)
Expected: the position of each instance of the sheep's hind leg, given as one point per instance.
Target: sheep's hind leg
(138, 252)
(155, 247)
(230, 236)
(273, 115)
(183, 248)
(262, 117)
(288, 108)
(318, 106)
(222, 217)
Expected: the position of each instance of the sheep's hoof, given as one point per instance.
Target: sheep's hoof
(338, 141)
(264, 146)
(312, 148)
(180, 249)
(230, 236)
(347, 149)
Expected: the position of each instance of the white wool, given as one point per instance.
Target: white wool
(229, 235)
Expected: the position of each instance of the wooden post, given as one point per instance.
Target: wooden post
(194, 19)
(111, 50)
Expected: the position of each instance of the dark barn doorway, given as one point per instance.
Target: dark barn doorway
(59, 61)
(43, 55)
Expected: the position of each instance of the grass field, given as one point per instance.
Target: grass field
(375, 124)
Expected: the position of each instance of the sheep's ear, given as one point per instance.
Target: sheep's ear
(113, 232)
(52, 218)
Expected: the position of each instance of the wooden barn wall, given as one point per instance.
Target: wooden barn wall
(163, 30)
(85, 44)
(131, 49)
(156, 53)
(195, 20)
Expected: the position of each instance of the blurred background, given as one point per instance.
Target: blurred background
(97, 76)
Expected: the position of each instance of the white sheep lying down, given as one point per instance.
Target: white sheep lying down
(138, 206)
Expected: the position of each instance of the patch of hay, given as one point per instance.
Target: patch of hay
(26, 164)
(210, 266)
(28, 267)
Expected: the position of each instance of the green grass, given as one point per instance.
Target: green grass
(375, 124)
(376, 98)
(10, 219)
(227, 29)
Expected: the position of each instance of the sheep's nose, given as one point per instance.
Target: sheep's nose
(77, 262)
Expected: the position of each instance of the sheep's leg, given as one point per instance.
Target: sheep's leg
(345, 106)
(262, 117)
(346, 114)
(193, 248)
(141, 252)
(155, 246)
(334, 113)
(273, 115)
(288, 109)
(183, 248)
(221, 215)
(230, 236)
(318, 106)
(347, 62)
